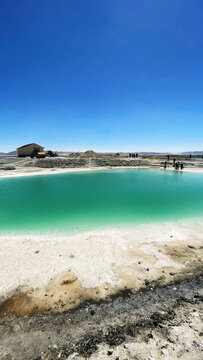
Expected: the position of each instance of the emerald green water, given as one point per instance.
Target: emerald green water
(74, 202)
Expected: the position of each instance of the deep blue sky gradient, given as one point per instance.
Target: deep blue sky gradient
(102, 74)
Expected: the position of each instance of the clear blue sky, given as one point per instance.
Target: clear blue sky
(102, 74)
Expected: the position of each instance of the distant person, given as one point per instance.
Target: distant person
(181, 166)
(165, 164)
(168, 157)
(190, 156)
(174, 161)
(136, 155)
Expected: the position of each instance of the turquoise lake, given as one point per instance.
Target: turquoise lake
(80, 201)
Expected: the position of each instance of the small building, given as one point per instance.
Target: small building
(27, 150)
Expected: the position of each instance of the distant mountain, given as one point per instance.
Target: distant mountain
(14, 152)
(193, 152)
(11, 153)
(63, 152)
(142, 153)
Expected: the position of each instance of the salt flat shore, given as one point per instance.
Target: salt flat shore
(40, 171)
(48, 275)
(93, 265)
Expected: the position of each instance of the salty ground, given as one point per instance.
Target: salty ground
(120, 293)
(93, 265)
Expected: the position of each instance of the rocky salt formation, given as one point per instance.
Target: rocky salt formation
(88, 162)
